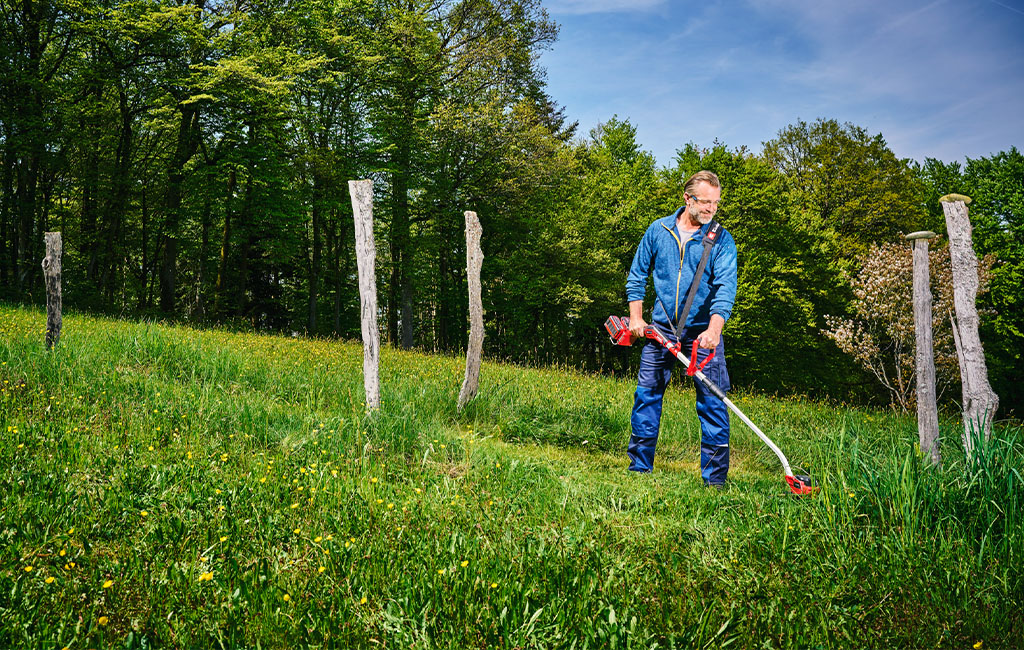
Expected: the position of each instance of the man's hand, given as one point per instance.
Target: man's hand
(710, 337)
(636, 319)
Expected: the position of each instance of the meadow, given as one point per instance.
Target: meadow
(166, 487)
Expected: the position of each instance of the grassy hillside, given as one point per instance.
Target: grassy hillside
(167, 487)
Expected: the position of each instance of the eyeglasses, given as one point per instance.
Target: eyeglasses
(701, 201)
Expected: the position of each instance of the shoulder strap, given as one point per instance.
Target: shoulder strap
(710, 238)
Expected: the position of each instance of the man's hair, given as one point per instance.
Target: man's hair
(701, 177)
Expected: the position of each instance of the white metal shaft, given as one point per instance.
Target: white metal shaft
(753, 427)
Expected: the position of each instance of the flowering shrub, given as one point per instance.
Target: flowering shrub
(880, 335)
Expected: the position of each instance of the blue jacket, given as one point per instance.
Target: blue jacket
(662, 255)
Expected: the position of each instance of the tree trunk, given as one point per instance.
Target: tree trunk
(6, 194)
(927, 410)
(317, 245)
(118, 205)
(474, 351)
(979, 400)
(219, 304)
(366, 259)
(51, 276)
(187, 144)
(400, 289)
(199, 306)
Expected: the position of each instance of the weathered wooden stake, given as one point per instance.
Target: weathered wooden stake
(51, 277)
(927, 410)
(366, 258)
(474, 260)
(980, 401)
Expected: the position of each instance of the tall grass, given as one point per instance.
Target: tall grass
(167, 487)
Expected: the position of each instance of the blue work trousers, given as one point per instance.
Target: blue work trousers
(655, 371)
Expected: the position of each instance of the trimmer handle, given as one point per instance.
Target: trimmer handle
(692, 369)
(618, 330)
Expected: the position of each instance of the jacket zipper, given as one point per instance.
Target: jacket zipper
(679, 276)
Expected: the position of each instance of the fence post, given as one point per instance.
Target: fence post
(51, 277)
(927, 410)
(979, 400)
(474, 260)
(366, 258)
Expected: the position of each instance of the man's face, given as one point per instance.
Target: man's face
(703, 203)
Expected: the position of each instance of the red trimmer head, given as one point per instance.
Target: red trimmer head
(801, 484)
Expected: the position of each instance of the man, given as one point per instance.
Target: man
(670, 251)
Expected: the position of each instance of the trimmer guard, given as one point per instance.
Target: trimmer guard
(801, 484)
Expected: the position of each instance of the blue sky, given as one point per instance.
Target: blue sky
(937, 78)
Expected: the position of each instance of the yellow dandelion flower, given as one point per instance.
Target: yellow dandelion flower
(287, 598)
(977, 646)
(63, 552)
(362, 601)
(297, 531)
(206, 577)
(294, 506)
(322, 569)
(464, 564)
(224, 538)
(103, 620)
(440, 572)
(494, 585)
(144, 513)
(49, 580)
(108, 584)
(317, 539)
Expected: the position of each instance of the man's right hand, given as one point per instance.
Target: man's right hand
(637, 326)
(636, 319)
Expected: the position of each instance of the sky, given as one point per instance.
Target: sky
(937, 78)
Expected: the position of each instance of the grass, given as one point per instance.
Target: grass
(168, 487)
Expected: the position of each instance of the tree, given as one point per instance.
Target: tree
(848, 182)
(881, 336)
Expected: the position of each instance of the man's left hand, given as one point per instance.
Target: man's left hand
(709, 338)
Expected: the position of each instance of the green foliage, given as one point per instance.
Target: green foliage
(196, 488)
(847, 181)
(196, 156)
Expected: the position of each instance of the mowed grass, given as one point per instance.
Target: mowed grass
(167, 487)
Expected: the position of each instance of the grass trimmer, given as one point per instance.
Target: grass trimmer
(618, 329)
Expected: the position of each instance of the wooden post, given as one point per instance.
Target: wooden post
(927, 410)
(366, 258)
(979, 400)
(474, 259)
(51, 277)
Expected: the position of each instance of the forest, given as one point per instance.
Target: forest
(195, 155)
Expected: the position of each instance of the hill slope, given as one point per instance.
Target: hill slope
(167, 487)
